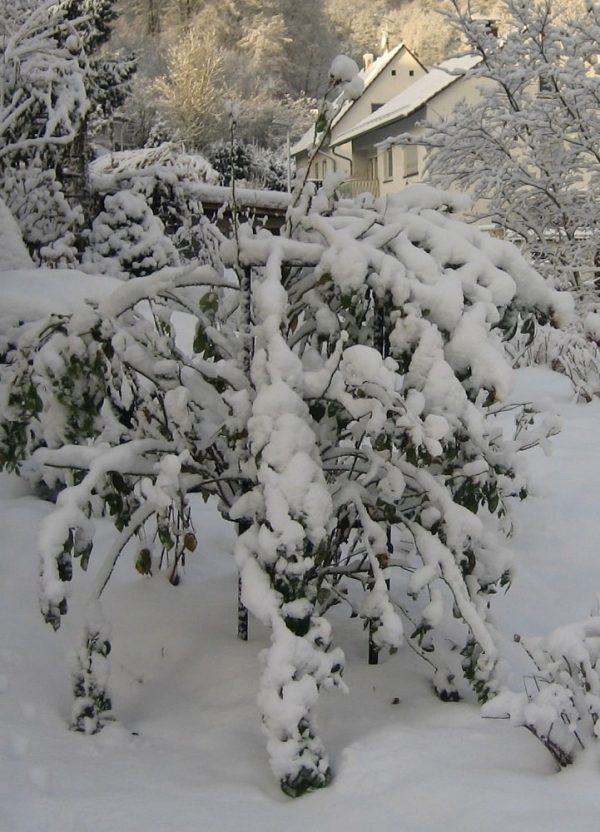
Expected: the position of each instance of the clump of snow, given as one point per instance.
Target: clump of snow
(345, 72)
(343, 69)
(591, 326)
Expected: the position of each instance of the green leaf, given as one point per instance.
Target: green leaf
(165, 537)
(143, 562)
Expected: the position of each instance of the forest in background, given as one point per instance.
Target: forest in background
(270, 55)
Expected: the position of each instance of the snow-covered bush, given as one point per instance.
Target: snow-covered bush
(339, 403)
(573, 352)
(168, 179)
(561, 705)
(47, 221)
(127, 239)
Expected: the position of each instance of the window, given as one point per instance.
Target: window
(316, 170)
(411, 72)
(388, 164)
(393, 71)
(375, 107)
(323, 168)
(546, 83)
(411, 160)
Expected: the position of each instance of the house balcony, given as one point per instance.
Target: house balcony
(354, 187)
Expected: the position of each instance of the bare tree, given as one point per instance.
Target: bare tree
(191, 89)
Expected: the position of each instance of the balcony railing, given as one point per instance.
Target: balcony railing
(353, 187)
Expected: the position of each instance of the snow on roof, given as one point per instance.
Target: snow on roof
(413, 97)
(367, 75)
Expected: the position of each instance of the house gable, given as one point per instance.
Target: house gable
(384, 78)
(397, 73)
(408, 101)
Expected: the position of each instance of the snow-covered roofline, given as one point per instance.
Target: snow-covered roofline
(413, 97)
(367, 75)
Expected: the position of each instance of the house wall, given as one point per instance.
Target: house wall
(439, 107)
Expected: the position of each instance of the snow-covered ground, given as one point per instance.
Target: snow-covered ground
(188, 753)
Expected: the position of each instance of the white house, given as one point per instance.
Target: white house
(434, 94)
(383, 79)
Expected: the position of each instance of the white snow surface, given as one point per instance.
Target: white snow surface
(30, 293)
(187, 752)
(13, 254)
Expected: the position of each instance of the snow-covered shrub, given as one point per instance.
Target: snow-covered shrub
(561, 705)
(169, 179)
(127, 239)
(573, 352)
(48, 222)
(340, 403)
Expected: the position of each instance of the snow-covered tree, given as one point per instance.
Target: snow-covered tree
(169, 180)
(43, 103)
(42, 92)
(51, 83)
(527, 150)
(253, 166)
(192, 88)
(108, 79)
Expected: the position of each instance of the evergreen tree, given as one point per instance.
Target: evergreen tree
(51, 84)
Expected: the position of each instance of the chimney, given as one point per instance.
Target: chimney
(368, 59)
